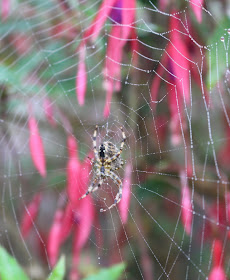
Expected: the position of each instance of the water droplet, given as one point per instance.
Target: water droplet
(101, 210)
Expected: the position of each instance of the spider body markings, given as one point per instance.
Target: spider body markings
(106, 161)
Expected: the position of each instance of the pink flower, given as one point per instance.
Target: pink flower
(67, 222)
(54, 238)
(122, 13)
(81, 80)
(86, 213)
(186, 215)
(179, 59)
(30, 214)
(85, 216)
(196, 6)
(128, 17)
(73, 172)
(113, 63)
(217, 272)
(126, 193)
(36, 147)
(100, 19)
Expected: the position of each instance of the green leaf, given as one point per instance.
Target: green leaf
(112, 273)
(9, 268)
(217, 54)
(58, 272)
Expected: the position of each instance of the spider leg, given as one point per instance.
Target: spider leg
(121, 148)
(98, 186)
(91, 160)
(118, 197)
(95, 144)
(92, 187)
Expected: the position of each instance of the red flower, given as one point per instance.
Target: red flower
(30, 214)
(186, 215)
(73, 172)
(36, 147)
(84, 216)
(126, 193)
(54, 238)
(67, 222)
(196, 6)
(122, 13)
(81, 80)
(217, 272)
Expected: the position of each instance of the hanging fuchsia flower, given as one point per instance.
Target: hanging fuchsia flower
(36, 147)
(122, 14)
(179, 59)
(196, 6)
(84, 216)
(186, 215)
(73, 172)
(48, 109)
(218, 217)
(67, 222)
(30, 214)
(81, 80)
(97, 24)
(126, 193)
(54, 238)
(177, 64)
(217, 272)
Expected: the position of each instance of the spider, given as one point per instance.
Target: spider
(106, 161)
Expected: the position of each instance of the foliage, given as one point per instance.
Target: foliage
(114, 273)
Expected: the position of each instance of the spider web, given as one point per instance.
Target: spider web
(153, 243)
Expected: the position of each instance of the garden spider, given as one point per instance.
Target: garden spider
(106, 161)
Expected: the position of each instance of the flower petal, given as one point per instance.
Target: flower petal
(112, 70)
(157, 80)
(67, 222)
(36, 147)
(54, 238)
(217, 273)
(82, 232)
(73, 172)
(186, 204)
(126, 193)
(81, 79)
(128, 17)
(179, 59)
(196, 6)
(30, 214)
(217, 253)
(101, 17)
